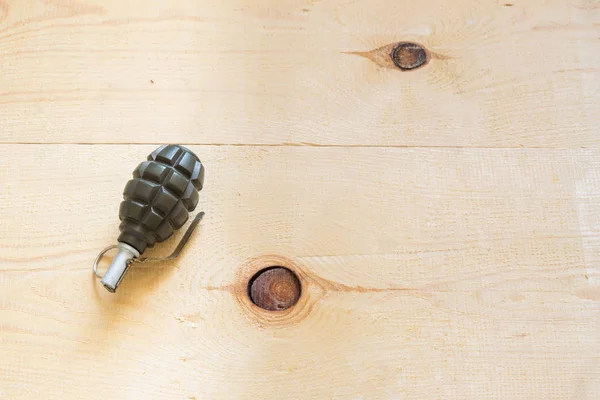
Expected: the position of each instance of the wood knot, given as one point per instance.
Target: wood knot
(274, 288)
(408, 55)
(403, 56)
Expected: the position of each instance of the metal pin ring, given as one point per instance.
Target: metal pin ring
(99, 257)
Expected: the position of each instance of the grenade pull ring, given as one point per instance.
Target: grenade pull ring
(156, 202)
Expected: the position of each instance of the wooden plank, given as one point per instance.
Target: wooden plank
(426, 273)
(504, 74)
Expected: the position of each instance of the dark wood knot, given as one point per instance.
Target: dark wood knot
(408, 55)
(274, 288)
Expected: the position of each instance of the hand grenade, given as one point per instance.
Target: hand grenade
(156, 202)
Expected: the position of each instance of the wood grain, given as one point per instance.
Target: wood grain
(427, 273)
(288, 72)
(444, 222)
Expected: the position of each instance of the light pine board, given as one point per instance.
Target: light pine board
(456, 273)
(445, 222)
(281, 71)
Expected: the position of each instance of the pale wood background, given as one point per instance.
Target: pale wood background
(445, 221)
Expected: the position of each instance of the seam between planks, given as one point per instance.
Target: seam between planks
(300, 144)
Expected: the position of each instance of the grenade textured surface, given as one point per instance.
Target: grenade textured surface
(158, 199)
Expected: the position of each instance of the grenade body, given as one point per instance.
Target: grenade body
(159, 198)
(156, 202)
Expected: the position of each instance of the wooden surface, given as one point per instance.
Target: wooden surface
(444, 222)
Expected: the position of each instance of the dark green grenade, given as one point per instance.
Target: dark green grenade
(156, 202)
